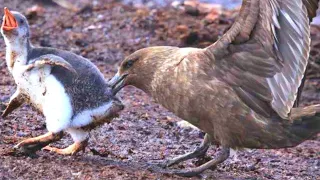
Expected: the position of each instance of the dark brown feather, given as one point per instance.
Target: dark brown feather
(270, 45)
(312, 6)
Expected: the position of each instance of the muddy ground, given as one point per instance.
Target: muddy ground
(106, 32)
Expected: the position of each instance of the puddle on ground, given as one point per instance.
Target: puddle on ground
(229, 4)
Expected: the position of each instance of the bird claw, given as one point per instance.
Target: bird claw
(168, 163)
(184, 173)
(22, 144)
(69, 151)
(161, 164)
(26, 149)
(17, 146)
(49, 148)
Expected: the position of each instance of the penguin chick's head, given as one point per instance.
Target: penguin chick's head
(14, 26)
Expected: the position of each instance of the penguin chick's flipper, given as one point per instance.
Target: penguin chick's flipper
(16, 100)
(51, 60)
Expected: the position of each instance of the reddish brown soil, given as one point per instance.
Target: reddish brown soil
(145, 131)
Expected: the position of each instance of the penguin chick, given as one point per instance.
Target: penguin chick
(68, 89)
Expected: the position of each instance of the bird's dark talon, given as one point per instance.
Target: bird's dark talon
(161, 164)
(18, 146)
(184, 173)
(24, 150)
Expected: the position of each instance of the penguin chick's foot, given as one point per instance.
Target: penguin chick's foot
(71, 150)
(37, 143)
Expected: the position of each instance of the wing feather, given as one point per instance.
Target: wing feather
(265, 53)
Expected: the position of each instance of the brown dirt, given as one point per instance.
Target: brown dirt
(106, 33)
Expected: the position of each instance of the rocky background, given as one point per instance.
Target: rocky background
(105, 32)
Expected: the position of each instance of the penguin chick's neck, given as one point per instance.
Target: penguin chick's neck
(17, 51)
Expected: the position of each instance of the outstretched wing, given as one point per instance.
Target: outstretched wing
(52, 60)
(265, 53)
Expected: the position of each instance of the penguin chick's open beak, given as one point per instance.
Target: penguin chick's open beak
(117, 83)
(9, 21)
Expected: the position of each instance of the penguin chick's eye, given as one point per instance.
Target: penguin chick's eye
(128, 64)
(21, 21)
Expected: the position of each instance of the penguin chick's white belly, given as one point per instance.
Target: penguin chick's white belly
(87, 116)
(47, 94)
